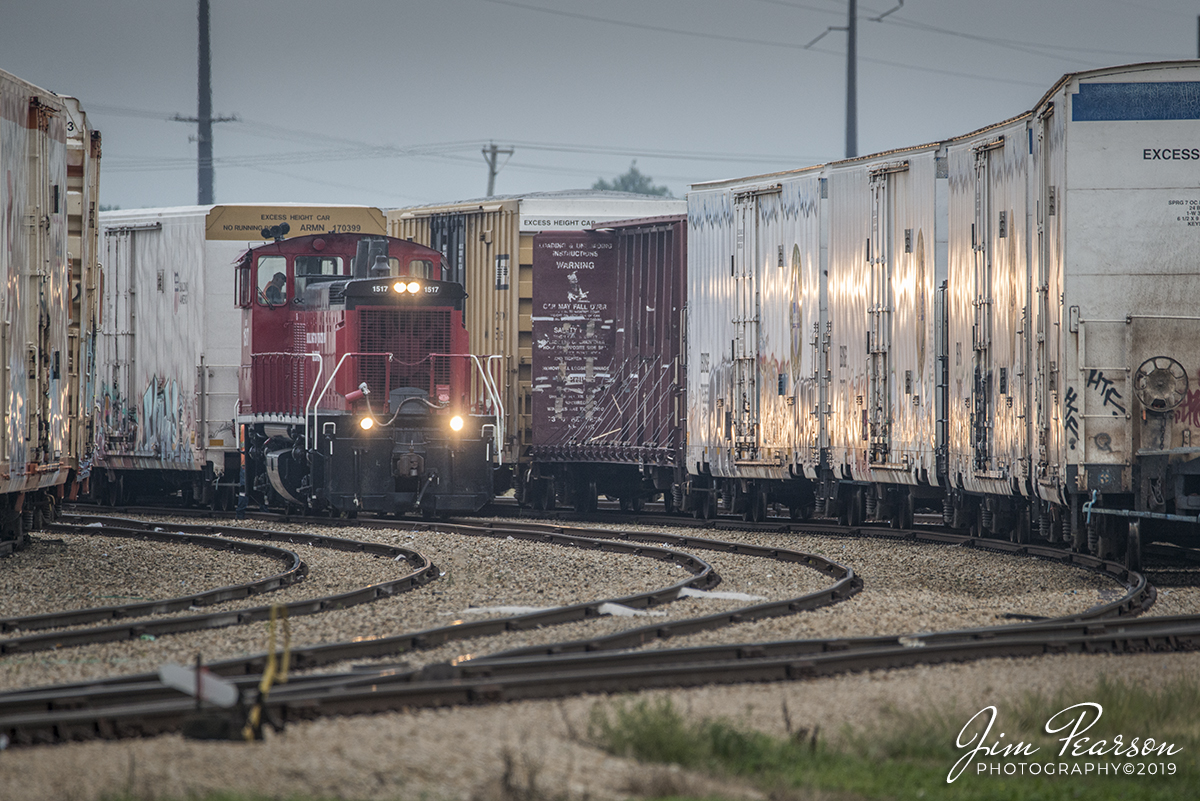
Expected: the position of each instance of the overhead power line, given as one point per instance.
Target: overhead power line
(748, 40)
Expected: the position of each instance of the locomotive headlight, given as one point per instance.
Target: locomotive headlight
(414, 287)
(366, 424)
(400, 287)
(456, 423)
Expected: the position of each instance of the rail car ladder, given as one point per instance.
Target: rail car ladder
(1046, 382)
(982, 404)
(880, 256)
(744, 268)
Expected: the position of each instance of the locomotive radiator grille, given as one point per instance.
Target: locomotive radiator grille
(410, 335)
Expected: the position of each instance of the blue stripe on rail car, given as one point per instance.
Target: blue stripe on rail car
(1097, 102)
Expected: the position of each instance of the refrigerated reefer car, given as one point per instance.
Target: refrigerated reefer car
(1000, 325)
(49, 183)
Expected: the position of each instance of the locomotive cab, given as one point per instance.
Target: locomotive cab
(358, 392)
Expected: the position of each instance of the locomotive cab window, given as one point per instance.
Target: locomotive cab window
(309, 267)
(421, 268)
(272, 280)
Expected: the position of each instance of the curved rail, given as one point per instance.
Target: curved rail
(422, 573)
(295, 570)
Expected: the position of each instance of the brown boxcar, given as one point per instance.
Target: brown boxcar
(608, 406)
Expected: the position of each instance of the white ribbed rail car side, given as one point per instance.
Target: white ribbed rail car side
(987, 322)
(1005, 320)
(753, 313)
(884, 268)
(169, 354)
(49, 168)
(1129, 364)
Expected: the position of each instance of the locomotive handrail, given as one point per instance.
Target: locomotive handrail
(489, 383)
(320, 369)
(493, 393)
(312, 404)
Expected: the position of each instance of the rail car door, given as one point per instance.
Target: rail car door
(880, 255)
(982, 405)
(744, 267)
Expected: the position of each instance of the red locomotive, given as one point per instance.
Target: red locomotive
(357, 389)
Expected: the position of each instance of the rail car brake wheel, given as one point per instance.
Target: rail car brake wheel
(1160, 384)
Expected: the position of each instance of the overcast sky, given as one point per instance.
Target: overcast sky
(389, 103)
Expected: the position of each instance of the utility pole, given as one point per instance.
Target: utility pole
(489, 155)
(851, 30)
(204, 118)
(852, 82)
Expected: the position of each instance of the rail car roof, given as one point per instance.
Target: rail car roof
(1057, 86)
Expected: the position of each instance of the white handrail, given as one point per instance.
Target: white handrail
(320, 369)
(494, 394)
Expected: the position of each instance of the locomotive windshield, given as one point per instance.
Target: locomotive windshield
(309, 266)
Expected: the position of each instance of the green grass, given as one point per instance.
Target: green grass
(910, 754)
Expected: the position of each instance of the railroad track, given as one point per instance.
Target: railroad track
(53, 624)
(139, 705)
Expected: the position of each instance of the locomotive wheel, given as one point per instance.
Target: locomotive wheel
(1133, 546)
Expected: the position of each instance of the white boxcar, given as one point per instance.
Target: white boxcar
(1121, 191)
(170, 346)
(987, 313)
(812, 334)
(885, 266)
(1004, 321)
(49, 170)
(755, 283)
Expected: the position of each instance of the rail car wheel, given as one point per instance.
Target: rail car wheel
(756, 505)
(1021, 529)
(802, 511)
(586, 496)
(541, 493)
(631, 503)
(1133, 546)
(856, 509)
(902, 517)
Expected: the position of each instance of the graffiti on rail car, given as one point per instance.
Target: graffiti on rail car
(1188, 412)
(156, 426)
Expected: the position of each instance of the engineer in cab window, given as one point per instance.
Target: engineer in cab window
(275, 291)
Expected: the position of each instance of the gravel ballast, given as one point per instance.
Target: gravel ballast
(461, 753)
